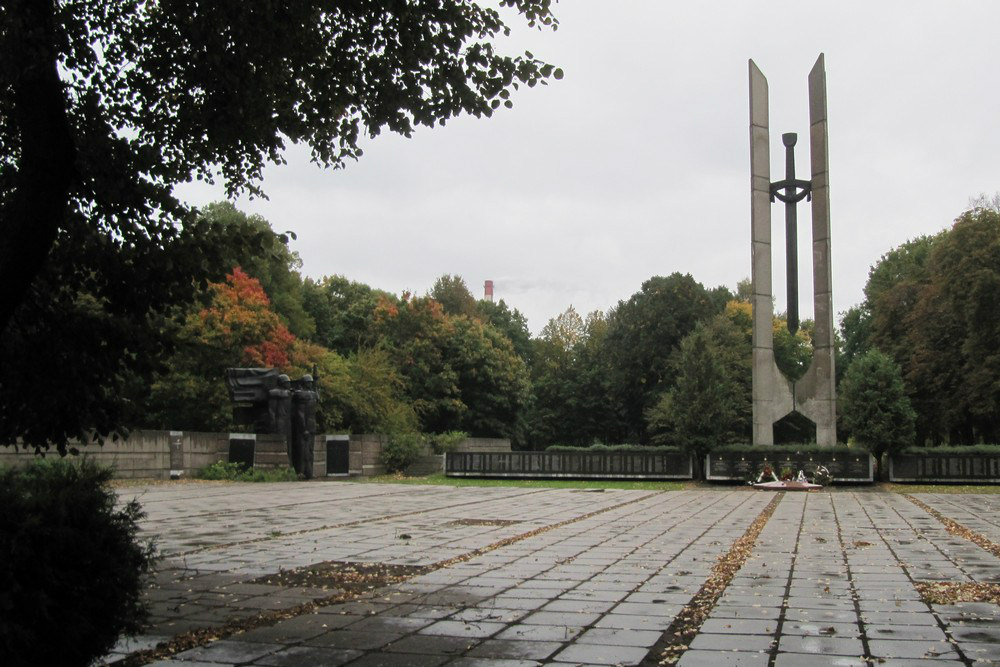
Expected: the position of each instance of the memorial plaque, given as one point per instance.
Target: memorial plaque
(945, 468)
(241, 449)
(733, 466)
(176, 454)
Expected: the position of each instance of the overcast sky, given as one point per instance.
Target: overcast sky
(637, 163)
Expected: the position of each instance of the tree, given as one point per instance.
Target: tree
(344, 312)
(643, 333)
(856, 331)
(454, 296)
(106, 106)
(965, 334)
(565, 330)
(239, 327)
(508, 321)
(874, 404)
(792, 353)
(699, 411)
(459, 373)
(934, 309)
(97, 328)
(273, 264)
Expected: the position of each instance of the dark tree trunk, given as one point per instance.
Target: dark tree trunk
(30, 221)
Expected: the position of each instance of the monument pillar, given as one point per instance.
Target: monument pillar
(774, 395)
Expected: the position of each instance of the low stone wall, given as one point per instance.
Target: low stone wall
(159, 454)
(365, 449)
(499, 445)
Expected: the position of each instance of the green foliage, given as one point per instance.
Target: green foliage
(446, 442)
(700, 411)
(783, 450)
(933, 305)
(399, 450)
(509, 322)
(84, 348)
(570, 382)
(454, 296)
(792, 354)
(459, 373)
(643, 334)
(72, 566)
(856, 329)
(344, 312)
(107, 106)
(273, 264)
(874, 404)
(235, 472)
(953, 450)
(666, 449)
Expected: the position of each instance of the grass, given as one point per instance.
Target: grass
(441, 480)
(234, 472)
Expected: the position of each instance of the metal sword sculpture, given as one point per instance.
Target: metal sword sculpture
(774, 395)
(794, 192)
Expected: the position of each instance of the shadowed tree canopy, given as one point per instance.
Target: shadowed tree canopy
(106, 106)
(454, 296)
(643, 333)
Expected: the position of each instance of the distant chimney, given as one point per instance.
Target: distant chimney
(489, 290)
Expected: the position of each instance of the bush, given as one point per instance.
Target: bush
(235, 472)
(614, 448)
(874, 405)
(957, 450)
(784, 450)
(399, 450)
(447, 442)
(71, 566)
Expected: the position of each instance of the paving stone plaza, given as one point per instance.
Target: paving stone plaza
(515, 577)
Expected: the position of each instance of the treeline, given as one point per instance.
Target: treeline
(932, 306)
(445, 361)
(669, 365)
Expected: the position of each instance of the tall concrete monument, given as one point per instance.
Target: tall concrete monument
(774, 395)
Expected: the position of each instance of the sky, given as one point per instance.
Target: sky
(636, 163)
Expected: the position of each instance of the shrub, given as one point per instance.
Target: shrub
(447, 442)
(874, 404)
(399, 450)
(614, 448)
(956, 450)
(785, 450)
(71, 566)
(235, 472)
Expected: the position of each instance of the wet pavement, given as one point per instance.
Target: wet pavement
(516, 577)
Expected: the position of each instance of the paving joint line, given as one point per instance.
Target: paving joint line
(964, 659)
(347, 524)
(227, 512)
(660, 569)
(855, 597)
(956, 528)
(780, 624)
(584, 628)
(686, 625)
(920, 533)
(204, 636)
